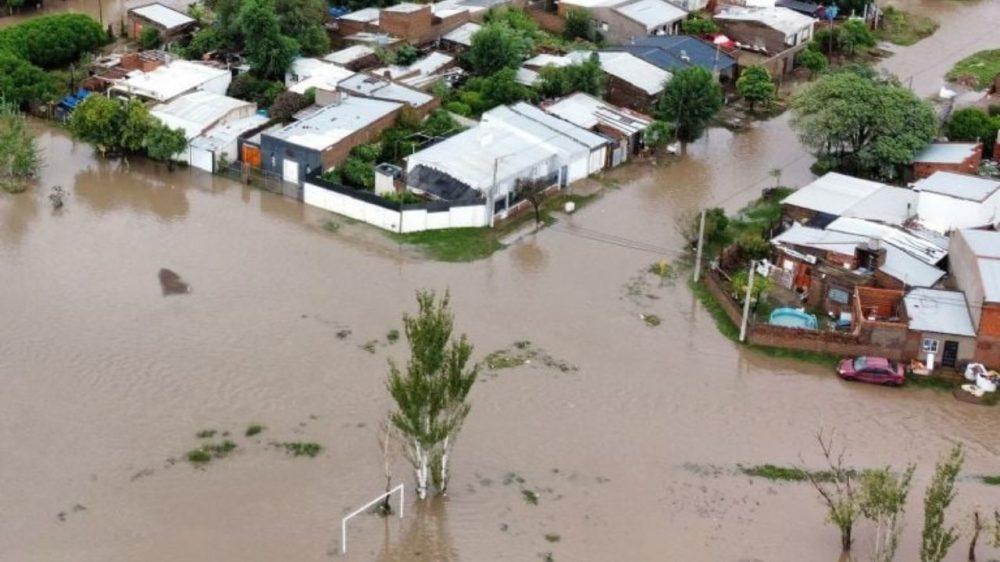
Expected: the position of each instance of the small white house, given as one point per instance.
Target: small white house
(949, 201)
(219, 144)
(172, 80)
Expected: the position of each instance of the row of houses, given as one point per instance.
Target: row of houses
(912, 271)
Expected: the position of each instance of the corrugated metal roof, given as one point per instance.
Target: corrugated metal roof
(784, 20)
(167, 17)
(960, 186)
(581, 135)
(947, 152)
(462, 34)
(919, 248)
(652, 13)
(936, 310)
(198, 111)
(373, 86)
(588, 112)
(833, 193)
(676, 52)
(630, 68)
(333, 123)
(349, 54)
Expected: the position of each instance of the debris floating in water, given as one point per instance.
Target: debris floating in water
(172, 284)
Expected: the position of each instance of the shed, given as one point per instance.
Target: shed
(654, 16)
(940, 321)
(167, 21)
(169, 81)
(199, 111)
(622, 125)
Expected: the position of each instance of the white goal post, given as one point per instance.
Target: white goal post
(343, 522)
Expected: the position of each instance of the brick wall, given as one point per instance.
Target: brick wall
(754, 34)
(887, 341)
(547, 20)
(335, 155)
(408, 25)
(969, 166)
(624, 94)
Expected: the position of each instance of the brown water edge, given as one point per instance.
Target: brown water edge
(106, 11)
(104, 380)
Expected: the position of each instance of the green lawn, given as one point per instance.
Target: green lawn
(979, 69)
(454, 244)
(905, 28)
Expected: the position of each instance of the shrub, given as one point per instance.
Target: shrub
(254, 429)
(54, 40)
(149, 38)
(439, 123)
(302, 449)
(458, 108)
(287, 104)
(358, 173)
(972, 124)
(580, 25)
(250, 88)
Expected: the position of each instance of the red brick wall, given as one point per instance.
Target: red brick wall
(969, 166)
(335, 155)
(624, 94)
(408, 25)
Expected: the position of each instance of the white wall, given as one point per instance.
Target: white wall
(944, 213)
(217, 85)
(415, 220)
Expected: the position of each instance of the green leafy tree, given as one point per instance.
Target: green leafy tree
(558, 81)
(136, 123)
(22, 82)
(359, 173)
(937, 539)
(756, 86)
(689, 100)
(500, 88)
(580, 25)
(19, 158)
(813, 60)
(657, 134)
(699, 24)
(854, 35)
(406, 55)
(439, 123)
(248, 87)
(495, 47)
(54, 40)
(431, 394)
(98, 121)
(514, 18)
(973, 124)
(163, 143)
(862, 125)
(302, 21)
(269, 53)
(883, 502)
(149, 38)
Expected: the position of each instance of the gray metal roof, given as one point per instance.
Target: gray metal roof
(936, 310)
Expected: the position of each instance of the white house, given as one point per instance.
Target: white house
(306, 73)
(219, 144)
(950, 201)
(511, 143)
(173, 80)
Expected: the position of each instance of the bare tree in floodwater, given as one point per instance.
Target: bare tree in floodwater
(837, 491)
(430, 396)
(388, 443)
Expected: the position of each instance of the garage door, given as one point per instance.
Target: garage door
(290, 171)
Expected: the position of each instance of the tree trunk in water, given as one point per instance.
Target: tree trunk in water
(422, 470)
(845, 539)
(443, 469)
(975, 537)
(538, 221)
(386, 505)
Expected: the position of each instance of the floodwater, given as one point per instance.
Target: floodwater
(632, 455)
(105, 11)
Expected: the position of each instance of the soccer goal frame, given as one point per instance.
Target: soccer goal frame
(343, 522)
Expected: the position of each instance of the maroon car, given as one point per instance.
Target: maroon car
(876, 370)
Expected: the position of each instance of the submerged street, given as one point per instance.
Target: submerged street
(633, 455)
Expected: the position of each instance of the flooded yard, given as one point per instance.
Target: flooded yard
(155, 305)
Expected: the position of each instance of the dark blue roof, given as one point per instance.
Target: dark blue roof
(676, 52)
(807, 8)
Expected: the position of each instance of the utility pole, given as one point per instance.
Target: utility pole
(746, 301)
(701, 244)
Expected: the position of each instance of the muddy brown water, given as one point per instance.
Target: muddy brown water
(632, 455)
